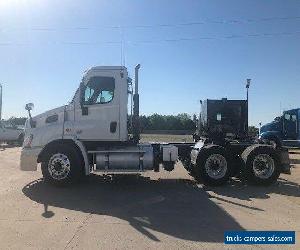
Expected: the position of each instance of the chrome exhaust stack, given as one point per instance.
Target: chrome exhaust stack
(136, 107)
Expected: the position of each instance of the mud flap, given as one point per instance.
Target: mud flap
(285, 161)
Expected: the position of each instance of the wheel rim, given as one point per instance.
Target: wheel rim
(216, 166)
(59, 166)
(263, 166)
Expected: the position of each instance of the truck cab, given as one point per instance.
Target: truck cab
(98, 111)
(284, 129)
(222, 118)
(99, 108)
(92, 131)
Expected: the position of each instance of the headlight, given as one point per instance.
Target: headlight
(27, 141)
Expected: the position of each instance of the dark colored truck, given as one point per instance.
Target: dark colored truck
(223, 118)
(224, 149)
(284, 130)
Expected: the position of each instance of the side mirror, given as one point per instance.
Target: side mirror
(29, 106)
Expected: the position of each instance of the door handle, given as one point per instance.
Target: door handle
(84, 110)
(113, 127)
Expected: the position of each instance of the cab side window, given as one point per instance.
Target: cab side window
(99, 90)
(287, 117)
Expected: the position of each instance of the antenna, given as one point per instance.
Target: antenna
(121, 53)
(1, 89)
(122, 56)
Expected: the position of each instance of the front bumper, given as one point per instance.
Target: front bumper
(28, 160)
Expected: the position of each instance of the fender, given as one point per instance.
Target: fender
(84, 155)
(78, 144)
(195, 151)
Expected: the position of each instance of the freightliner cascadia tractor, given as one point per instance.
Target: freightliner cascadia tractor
(90, 134)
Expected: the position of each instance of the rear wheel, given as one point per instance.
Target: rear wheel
(62, 166)
(261, 165)
(212, 166)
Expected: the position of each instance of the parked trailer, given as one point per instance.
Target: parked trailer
(90, 134)
(11, 134)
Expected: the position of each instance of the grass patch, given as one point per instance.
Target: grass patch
(166, 138)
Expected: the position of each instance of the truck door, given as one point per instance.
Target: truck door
(290, 125)
(98, 116)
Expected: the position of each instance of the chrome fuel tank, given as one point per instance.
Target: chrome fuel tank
(134, 158)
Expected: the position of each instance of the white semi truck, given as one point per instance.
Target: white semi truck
(90, 134)
(11, 134)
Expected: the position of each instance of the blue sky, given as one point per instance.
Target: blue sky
(45, 45)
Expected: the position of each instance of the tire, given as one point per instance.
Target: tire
(62, 165)
(261, 165)
(212, 166)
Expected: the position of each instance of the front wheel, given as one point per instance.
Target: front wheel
(62, 166)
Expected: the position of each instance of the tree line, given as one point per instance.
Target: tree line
(18, 121)
(151, 122)
(166, 122)
(155, 122)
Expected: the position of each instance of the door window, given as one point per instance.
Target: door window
(99, 90)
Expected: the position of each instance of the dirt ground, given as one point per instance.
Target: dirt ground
(154, 211)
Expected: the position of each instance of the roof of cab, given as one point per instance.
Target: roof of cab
(108, 68)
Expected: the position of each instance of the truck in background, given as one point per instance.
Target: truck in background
(11, 134)
(284, 130)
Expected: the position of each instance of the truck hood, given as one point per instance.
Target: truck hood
(49, 112)
(40, 119)
(268, 127)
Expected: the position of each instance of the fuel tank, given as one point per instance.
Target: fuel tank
(134, 158)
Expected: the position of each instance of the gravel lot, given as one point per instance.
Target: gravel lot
(155, 211)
